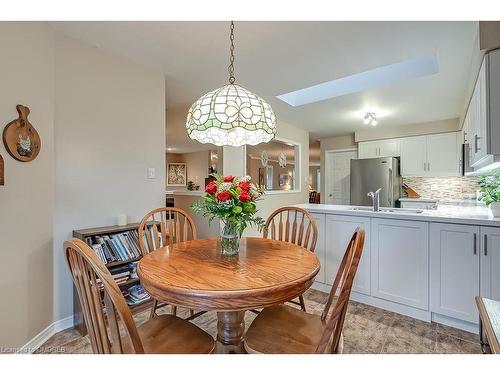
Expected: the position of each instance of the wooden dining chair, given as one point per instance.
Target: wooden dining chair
(162, 227)
(295, 225)
(109, 321)
(285, 329)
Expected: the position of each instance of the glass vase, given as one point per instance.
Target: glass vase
(229, 239)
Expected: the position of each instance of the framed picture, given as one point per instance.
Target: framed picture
(176, 174)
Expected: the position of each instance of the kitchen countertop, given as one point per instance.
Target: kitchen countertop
(197, 193)
(472, 215)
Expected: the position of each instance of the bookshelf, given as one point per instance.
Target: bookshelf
(88, 235)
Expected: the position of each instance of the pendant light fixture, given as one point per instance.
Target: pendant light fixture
(231, 115)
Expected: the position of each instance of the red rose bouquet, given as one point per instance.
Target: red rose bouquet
(232, 200)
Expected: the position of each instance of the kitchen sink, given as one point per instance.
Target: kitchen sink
(389, 210)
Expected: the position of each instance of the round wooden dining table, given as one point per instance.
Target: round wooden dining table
(195, 275)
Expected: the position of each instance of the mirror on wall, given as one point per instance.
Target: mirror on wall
(274, 165)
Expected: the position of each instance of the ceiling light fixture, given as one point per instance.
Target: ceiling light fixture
(231, 115)
(370, 118)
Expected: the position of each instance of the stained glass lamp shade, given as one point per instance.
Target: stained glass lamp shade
(231, 116)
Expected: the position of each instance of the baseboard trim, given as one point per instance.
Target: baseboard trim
(456, 323)
(47, 333)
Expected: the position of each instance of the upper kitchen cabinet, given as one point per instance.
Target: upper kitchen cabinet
(434, 155)
(477, 119)
(482, 120)
(413, 156)
(379, 149)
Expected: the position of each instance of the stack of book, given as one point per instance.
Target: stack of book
(135, 295)
(116, 247)
(120, 274)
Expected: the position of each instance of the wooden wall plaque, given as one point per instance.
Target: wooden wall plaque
(2, 179)
(20, 137)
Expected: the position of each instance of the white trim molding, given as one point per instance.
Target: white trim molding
(37, 341)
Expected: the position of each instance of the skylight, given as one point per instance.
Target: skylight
(381, 76)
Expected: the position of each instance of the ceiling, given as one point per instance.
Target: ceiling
(273, 58)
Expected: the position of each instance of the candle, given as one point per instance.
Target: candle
(121, 219)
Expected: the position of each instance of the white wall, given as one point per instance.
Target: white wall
(27, 77)
(110, 124)
(234, 164)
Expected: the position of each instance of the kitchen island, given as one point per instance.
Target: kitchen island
(427, 264)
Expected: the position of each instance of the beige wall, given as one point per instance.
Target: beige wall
(110, 124)
(26, 200)
(442, 126)
(329, 144)
(234, 164)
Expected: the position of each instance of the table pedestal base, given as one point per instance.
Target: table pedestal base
(230, 331)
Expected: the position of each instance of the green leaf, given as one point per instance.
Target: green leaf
(237, 210)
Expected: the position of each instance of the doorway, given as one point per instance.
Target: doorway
(338, 175)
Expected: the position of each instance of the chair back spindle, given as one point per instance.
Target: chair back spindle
(343, 282)
(91, 279)
(292, 224)
(165, 226)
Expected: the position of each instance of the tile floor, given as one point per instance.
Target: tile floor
(366, 330)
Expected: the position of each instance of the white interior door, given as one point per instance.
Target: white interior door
(337, 176)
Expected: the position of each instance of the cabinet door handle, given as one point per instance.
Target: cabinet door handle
(475, 243)
(476, 138)
(425, 166)
(485, 245)
(428, 166)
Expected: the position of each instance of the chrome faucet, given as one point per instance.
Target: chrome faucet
(375, 198)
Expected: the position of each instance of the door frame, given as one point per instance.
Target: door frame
(327, 165)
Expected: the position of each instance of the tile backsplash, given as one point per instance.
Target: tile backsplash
(442, 187)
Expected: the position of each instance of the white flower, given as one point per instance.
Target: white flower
(225, 186)
(254, 193)
(245, 179)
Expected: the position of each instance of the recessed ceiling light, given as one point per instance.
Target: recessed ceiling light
(369, 79)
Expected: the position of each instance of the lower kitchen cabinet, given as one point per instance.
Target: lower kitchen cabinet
(320, 246)
(399, 261)
(454, 270)
(489, 261)
(338, 232)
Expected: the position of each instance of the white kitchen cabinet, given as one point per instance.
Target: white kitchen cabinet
(490, 263)
(454, 270)
(443, 155)
(400, 261)
(339, 230)
(478, 117)
(433, 155)
(413, 156)
(320, 246)
(389, 147)
(379, 149)
(368, 150)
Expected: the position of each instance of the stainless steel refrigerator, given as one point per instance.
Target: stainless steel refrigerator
(371, 174)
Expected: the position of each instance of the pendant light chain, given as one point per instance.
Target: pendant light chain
(231, 57)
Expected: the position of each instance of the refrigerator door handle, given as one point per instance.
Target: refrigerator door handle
(391, 188)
